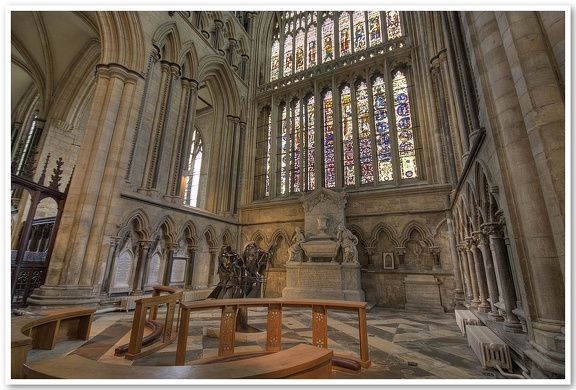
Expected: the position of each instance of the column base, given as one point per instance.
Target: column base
(63, 296)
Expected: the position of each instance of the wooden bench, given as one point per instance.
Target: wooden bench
(302, 361)
(319, 310)
(44, 331)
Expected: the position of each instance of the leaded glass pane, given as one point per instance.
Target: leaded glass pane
(329, 164)
(393, 25)
(312, 53)
(328, 40)
(288, 59)
(283, 150)
(406, 150)
(300, 51)
(383, 151)
(310, 143)
(359, 20)
(344, 25)
(364, 134)
(347, 137)
(375, 34)
(275, 64)
(296, 147)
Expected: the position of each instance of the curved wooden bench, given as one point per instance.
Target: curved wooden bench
(318, 307)
(44, 331)
(302, 361)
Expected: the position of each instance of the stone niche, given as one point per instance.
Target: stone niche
(321, 274)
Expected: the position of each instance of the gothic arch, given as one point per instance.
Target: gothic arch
(227, 238)
(420, 228)
(188, 61)
(166, 224)
(122, 40)
(387, 230)
(167, 38)
(189, 232)
(215, 72)
(260, 239)
(141, 221)
(210, 235)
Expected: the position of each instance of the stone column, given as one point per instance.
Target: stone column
(463, 266)
(102, 161)
(179, 159)
(482, 241)
(141, 266)
(169, 263)
(244, 66)
(112, 252)
(190, 266)
(500, 257)
(400, 253)
(473, 278)
(218, 24)
(516, 68)
(484, 306)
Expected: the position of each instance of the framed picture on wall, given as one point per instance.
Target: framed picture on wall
(388, 260)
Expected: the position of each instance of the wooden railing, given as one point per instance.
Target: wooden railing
(229, 307)
(147, 311)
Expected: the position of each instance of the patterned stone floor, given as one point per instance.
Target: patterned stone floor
(411, 347)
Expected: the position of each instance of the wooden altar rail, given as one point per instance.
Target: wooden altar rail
(147, 310)
(230, 308)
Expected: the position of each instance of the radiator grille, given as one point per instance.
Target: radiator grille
(488, 347)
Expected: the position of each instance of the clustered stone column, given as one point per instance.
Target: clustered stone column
(487, 276)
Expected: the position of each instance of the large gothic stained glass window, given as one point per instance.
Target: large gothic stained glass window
(343, 132)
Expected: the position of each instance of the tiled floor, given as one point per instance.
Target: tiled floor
(403, 345)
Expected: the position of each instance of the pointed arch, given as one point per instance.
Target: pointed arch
(188, 60)
(214, 70)
(189, 232)
(210, 235)
(383, 228)
(167, 38)
(122, 39)
(141, 220)
(420, 228)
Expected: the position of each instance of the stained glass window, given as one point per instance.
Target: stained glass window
(406, 151)
(375, 34)
(359, 20)
(329, 153)
(192, 173)
(364, 134)
(347, 136)
(344, 26)
(383, 149)
(328, 40)
(357, 143)
(283, 149)
(295, 146)
(310, 143)
(288, 58)
(393, 24)
(275, 64)
(300, 51)
(312, 52)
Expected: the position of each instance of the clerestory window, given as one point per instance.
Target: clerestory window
(351, 135)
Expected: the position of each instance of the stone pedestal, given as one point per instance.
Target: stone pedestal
(323, 280)
(423, 293)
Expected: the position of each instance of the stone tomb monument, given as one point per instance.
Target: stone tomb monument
(327, 265)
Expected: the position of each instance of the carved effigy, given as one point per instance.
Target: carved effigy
(295, 251)
(241, 276)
